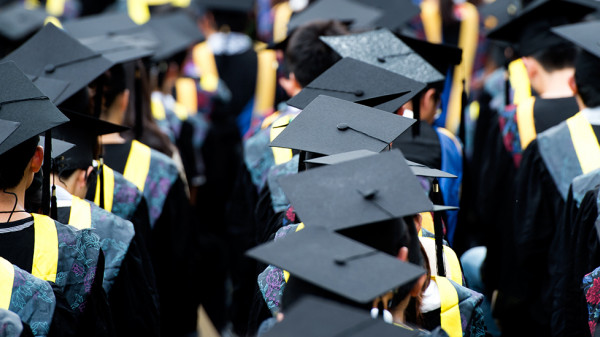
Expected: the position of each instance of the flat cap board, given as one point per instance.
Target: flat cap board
(338, 264)
(359, 82)
(383, 49)
(18, 22)
(585, 35)
(358, 15)
(330, 125)
(357, 192)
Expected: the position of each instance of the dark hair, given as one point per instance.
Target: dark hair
(306, 55)
(587, 73)
(15, 161)
(234, 21)
(556, 58)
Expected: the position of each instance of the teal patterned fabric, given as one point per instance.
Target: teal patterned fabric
(33, 301)
(78, 254)
(10, 324)
(161, 176)
(126, 197)
(278, 199)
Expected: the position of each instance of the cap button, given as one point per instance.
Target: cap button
(343, 126)
(359, 93)
(380, 60)
(339, 262)
(370, 194)
(49, 68)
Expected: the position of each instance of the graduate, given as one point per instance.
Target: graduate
(70, 258)
(549, 165)
(129, 279)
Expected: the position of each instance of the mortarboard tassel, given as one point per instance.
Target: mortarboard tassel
(416, 128)
(138, 128)
(46, 170)
(439, 231)
(101, 178)
(463, 106)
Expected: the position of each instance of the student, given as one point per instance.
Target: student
(70, 258)
(129, 279)
(549, 165)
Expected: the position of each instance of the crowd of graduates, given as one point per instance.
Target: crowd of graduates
(299, 168)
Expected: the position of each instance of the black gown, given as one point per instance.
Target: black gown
(526, 293)
(173, 251)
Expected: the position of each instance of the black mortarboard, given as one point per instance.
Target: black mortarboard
(338, 264)
(7, 128)
(383, 49)
(358, 15)
(53, 54)
(330, 125)
(584, 35)
(395, 13)
(359, 82)
(18, 22)
(58, 146)
(417, 169)
(113, 35)
(228, 5)
(317, 317)
(440, 55)
(176, 32)
(530, 31)
(22, 102)
(498, 12)
(357, 192)
(83, 131)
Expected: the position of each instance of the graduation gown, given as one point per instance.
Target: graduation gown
(71, 259)
(129, 278)
(549, 165)
(508, 135)
(172, 233)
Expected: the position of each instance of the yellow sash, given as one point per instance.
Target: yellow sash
(281, 18)
(281, 155)
(45, 249)
(204, 60)
(181, 111)
(139, 10)
(55, 7)
(138, 164)
(585, 143)
(158, 109)
(81, 214)
(187, 94)
(432, 21)
(270, 119)
(7, 277)
(519, 81)
(266, 81)
(109, 188)
(427, 221)
(450, 313)
(526, 122)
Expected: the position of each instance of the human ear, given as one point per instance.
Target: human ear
(37, 159)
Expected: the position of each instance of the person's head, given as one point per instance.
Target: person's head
(75, 181)
(20, 164)
(585, 83)
(306, 56)
(428, 102)
(542, 64)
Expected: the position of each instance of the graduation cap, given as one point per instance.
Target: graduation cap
(353, 13)
(318, 317)
(383, 49)
(18, 22)
(338, 264)
(357, 192)
(58, 146)
(498, 12)
(7, 128)
(82, 130)
(176, 31)
(395, 13)
(530, 31)
(21, 102)
(417, 169)
(583, 35)
(440, 55)
(359, 82)
(330, 125)
(53, 54)
(228, 5)
(113, 35)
